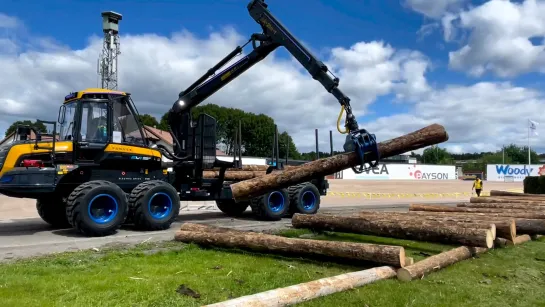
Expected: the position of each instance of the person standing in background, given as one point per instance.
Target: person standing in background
(477, 185)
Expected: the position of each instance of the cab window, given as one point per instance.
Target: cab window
(67, 128)
(94, 122)
(125, 128)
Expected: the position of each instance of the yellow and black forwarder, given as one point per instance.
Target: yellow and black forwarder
(98, 171)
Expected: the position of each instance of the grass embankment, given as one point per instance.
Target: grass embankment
(151, 275)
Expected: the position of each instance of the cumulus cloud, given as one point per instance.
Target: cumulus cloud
(156, 68)
(503, 37)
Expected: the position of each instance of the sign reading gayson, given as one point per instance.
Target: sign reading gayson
(404, 172)
(498, 172)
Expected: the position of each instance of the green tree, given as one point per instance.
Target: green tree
(518, 154)
(37, 125)
(284, 142)
(436, 155)
(148, 120)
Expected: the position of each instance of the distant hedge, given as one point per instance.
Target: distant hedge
(534, 184)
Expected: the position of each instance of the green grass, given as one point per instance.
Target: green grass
(150, 274)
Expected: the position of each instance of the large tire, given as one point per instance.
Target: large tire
(232, 208)
(52, 210)
(97, 208)
(304, 198)
(271, 206)
(154, 205)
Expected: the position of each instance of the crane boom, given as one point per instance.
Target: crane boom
(273, 36)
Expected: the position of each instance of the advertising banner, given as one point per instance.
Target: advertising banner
(517, 172)
(404, 172)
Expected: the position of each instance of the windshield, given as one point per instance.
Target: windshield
(125, 128)
(94, 122)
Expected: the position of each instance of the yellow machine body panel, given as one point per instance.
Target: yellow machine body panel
(136, 150)
(18, 150)
(78, 95)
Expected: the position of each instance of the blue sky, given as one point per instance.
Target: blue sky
(325, 24)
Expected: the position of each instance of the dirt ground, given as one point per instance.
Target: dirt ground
(341, 193)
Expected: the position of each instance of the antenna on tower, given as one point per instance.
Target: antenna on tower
(107, 62)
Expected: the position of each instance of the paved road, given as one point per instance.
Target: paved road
(21, 238)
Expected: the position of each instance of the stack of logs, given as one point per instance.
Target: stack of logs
(502, 219)
(244, 173)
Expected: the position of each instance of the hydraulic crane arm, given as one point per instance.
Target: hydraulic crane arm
(273, 36)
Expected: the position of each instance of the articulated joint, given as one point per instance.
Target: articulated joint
(364, 144)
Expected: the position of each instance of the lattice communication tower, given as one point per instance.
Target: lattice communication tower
(107, 62)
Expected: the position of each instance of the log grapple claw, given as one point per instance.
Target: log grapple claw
(363, 143)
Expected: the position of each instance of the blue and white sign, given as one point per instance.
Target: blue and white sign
(498, 172)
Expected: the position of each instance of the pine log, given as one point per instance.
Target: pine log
(519, 206)
(437, 262)
(442, 208)
(409, 261)
(244, 190)
(403, 229)
(303, 292)
(208, 228)
(384, 254)
(502, 242)
(516, 194)
(527, 215)
(517, 199)
(500, 227)
(236, 175)
(487, 199)
(521, 239)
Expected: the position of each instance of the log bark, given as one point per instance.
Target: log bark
(519, 206)
(403, 229)
(234, 175)
(442, 208)
(384, 254)
(487, 199)
(436, 262)
(502, 242)
(502, 227)
(244, 190)
(309, 290)
(515, 194)
(526, 215)
(208, 228)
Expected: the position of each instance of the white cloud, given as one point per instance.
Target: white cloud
(156, 68)
(499, 35)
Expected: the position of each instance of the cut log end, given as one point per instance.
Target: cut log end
(489, 239)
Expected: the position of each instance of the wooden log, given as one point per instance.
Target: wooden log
(486, 199)
(254, 187)
(521, 239)
(441, 208)
(252, 168)
(504, 227)
(502, 242)
(515, 194)
(309, 290)
(384, 254)
(207, 228)
(403, 229)
(526, 215)
(409, 261)
(519, 206)
(237, 175)
(436, 262)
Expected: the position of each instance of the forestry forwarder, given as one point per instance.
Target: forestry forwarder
(102, 172)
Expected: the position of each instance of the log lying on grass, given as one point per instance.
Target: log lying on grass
(437, 262)
(518, 240)
(402, 229)
(487, 199)
(384, 254)
(252, 167)
(502, 227)
(309, 290)
(515, 194)
(247, 189)
(519, 206)
(515, 212)
(526, 223)
(234, 175)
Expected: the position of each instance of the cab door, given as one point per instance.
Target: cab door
(94, 131)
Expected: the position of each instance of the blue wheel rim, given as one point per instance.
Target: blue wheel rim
(308, 199)
(102, 208)
(276, 201)
(160, 205)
